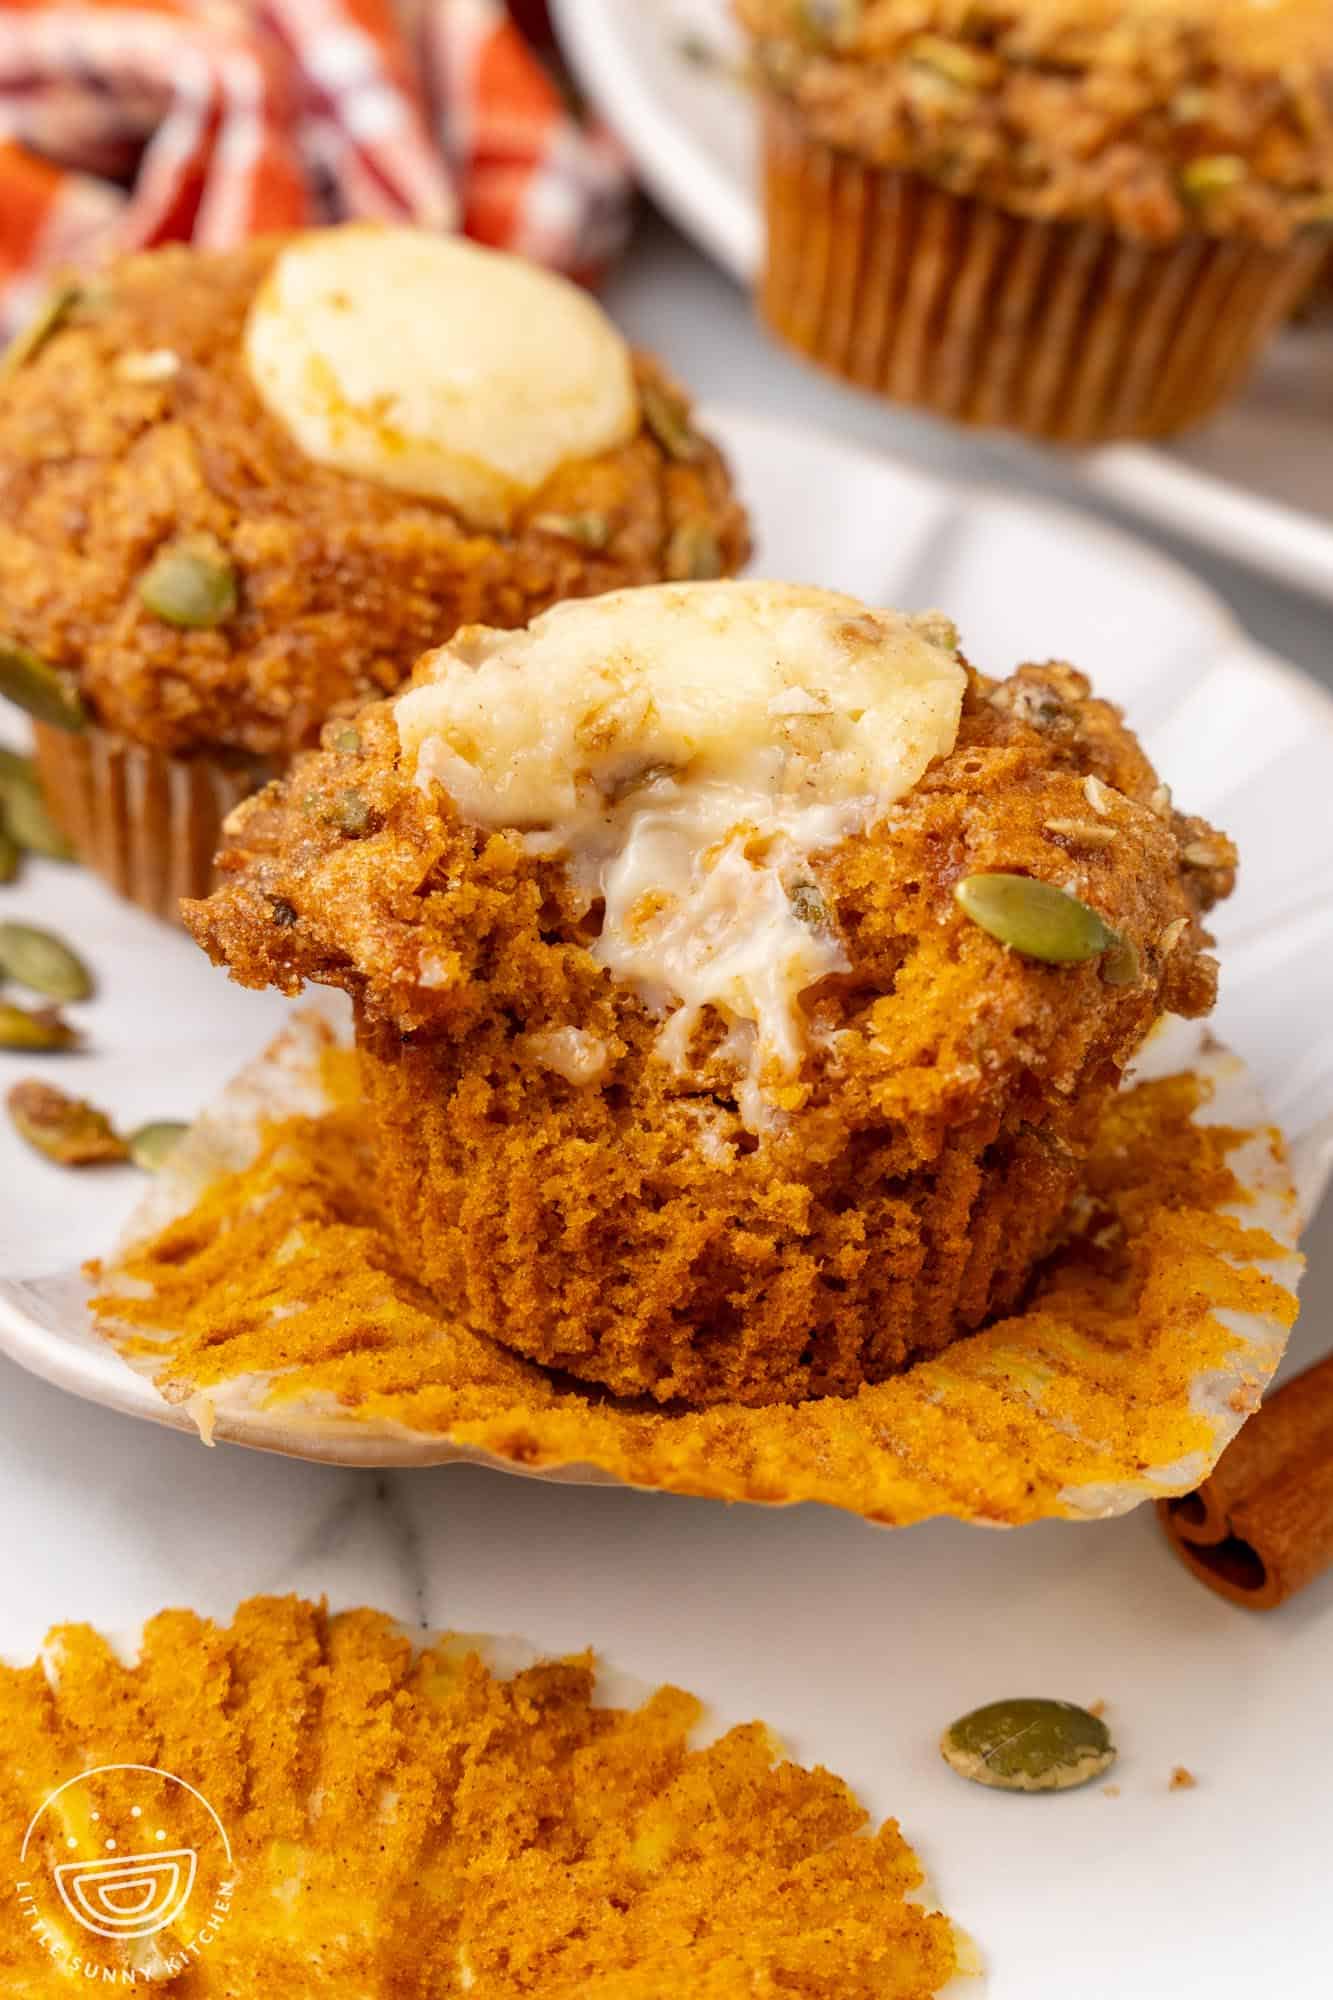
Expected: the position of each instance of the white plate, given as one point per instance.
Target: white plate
(1240, 736)
(1256, 484)
(858, 1646)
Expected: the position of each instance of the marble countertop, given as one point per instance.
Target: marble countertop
(107, 1521)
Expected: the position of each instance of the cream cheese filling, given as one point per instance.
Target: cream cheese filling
(690, 751)
(437, 367)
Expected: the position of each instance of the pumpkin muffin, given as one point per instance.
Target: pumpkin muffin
(739, 977)
(243, 491)
(1081, 219)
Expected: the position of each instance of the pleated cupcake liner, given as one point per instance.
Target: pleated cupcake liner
(1065, 331)
(147, 823)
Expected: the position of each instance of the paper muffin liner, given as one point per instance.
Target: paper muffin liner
(374, 1809)
(147, 823)
(1066, 331)
(1145, 1343)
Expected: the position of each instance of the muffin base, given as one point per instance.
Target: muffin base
(147, 823)
(652, 1273)
(1065, 331)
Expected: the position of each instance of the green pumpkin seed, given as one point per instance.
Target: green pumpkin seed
(47, 695)
(968, 68)
(1213, 174)
(1029, 1745)
(35, 1029)
(694, 554)
(590, 531)
(68, 1130)
(668, 419)
(191, 584)
(348, 741)
(151, 1146)
(1034, 918)
(1121, 965)
(26, 819)
(9, 854)
(40, 960)
(808, 905)
(351, 813)
(54, 310)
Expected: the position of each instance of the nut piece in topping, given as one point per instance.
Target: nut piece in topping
(50, 316)
(40, 960)
(1034, 918)
(191, 584)
(68, 1130)
(1029, 1745)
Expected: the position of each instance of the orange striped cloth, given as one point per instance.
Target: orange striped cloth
(125, 123)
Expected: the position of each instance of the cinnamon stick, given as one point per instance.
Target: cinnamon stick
(1261, 1526)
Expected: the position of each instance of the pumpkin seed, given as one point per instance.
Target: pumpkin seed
(830, 20)
(348, 740)
(191, 584)
(1029, 1745)
(49, 317)
(969, 68)
(48, 695)
(694, 554)
(668, 419)
(590, 531)
(9, 854)
(68, 1130)
(351, 813)
(40, 960)
(151, 1146)
(35, 1029)
(1212, 174)
(1121, 966)
(1034, 918)
(808, 905)
(28, 823)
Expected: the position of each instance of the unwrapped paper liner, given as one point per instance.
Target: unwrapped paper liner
(1146, 1342)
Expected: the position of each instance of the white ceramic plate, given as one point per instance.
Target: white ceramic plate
(858, 1646)
(1256, 484)
(1241, 737)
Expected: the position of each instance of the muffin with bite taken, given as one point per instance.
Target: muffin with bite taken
(241, 492)
(739, 976)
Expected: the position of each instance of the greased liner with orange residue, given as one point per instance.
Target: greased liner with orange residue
(149, 824)
(257, 1288)
(1065, 331)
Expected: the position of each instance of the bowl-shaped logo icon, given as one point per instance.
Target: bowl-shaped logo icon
(133, 1897)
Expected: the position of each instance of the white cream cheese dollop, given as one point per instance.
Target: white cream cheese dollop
(689, 749)
(437, 367)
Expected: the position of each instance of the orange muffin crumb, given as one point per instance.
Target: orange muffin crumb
(406, 1823)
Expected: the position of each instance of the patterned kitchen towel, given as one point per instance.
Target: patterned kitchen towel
(125, 123)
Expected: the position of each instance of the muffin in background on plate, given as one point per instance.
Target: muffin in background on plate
(1080, 219)
(241, 492)
(739, 977)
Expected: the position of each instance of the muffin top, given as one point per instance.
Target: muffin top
(1158, 118)
(239, 491)
(720, 829)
